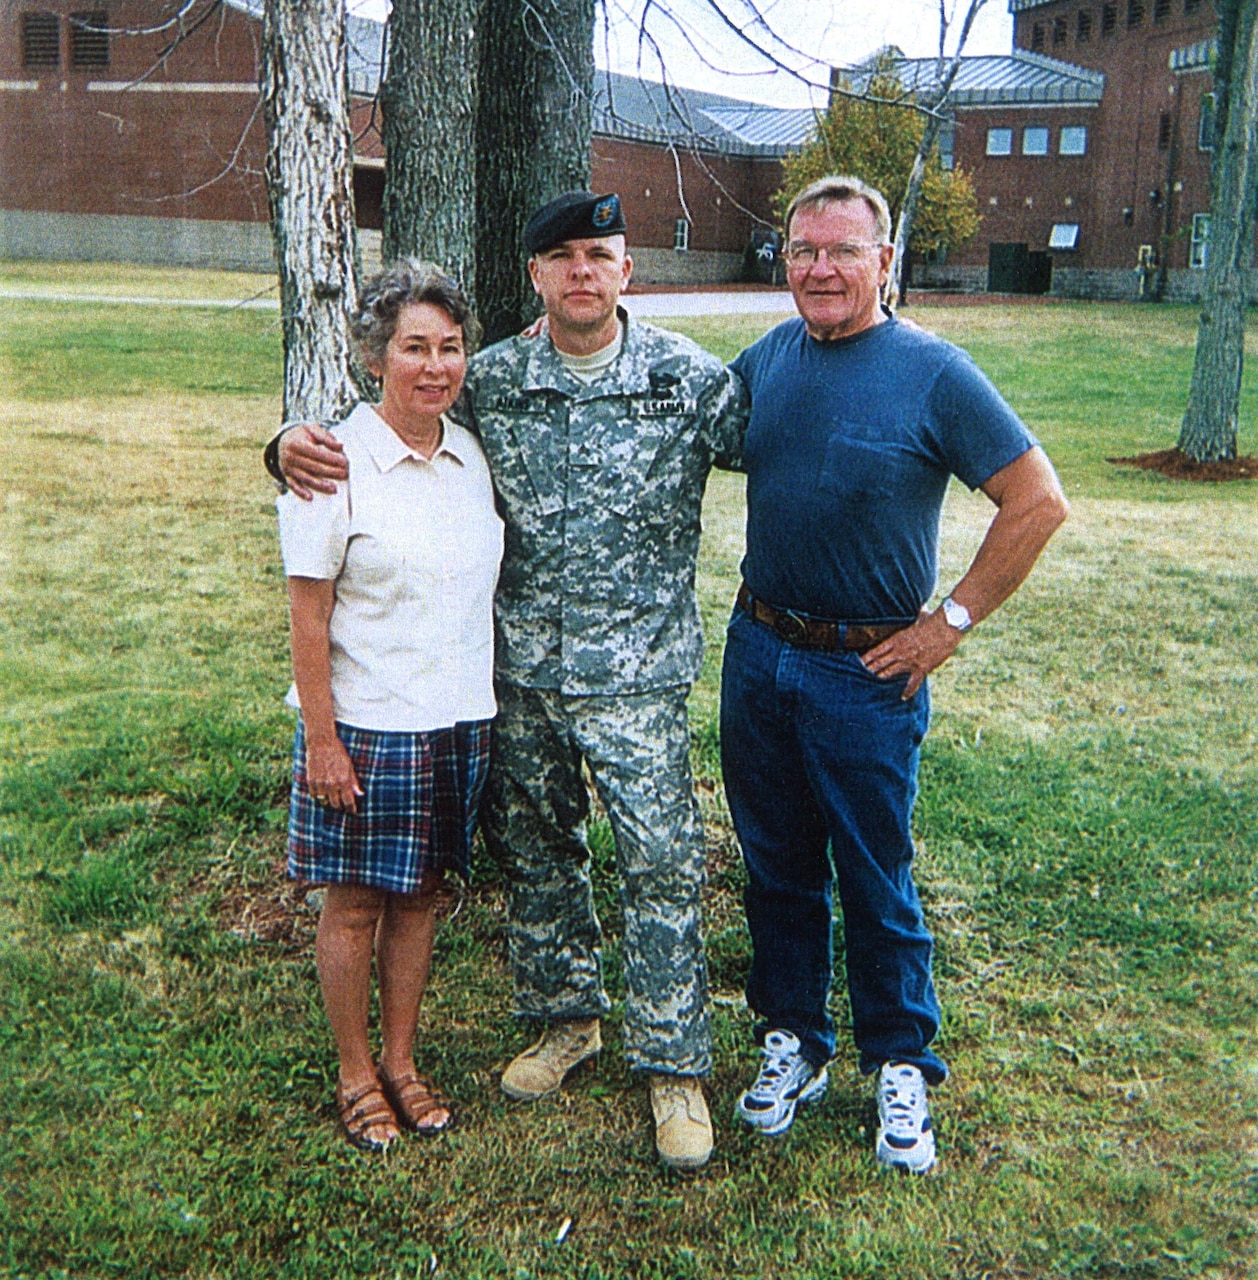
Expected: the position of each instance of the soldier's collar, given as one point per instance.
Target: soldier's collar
(544, 371)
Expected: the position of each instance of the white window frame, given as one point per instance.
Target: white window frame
(1205, 136)
(1199, 249)
(1035, 129)
(1064, 235)
(681, 235)
(995, 150)
(1072, 140)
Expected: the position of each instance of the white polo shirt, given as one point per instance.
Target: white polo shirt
(413, 545)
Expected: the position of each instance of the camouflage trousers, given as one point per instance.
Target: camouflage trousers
(637, 749)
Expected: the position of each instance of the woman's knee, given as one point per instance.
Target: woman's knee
(435, 890)
(354, 906)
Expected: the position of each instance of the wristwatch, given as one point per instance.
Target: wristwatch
(957, 615)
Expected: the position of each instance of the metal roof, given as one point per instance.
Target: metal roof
(1020, 78)
(624, 106)
(1194, 57)
(646, 111)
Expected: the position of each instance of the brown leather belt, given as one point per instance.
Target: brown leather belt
(814, 633)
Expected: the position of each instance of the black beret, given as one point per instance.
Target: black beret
(575, 215)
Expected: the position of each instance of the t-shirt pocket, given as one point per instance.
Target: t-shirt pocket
(857, 471)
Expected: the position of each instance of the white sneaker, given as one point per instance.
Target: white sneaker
(905, 1138)
(786, 1079)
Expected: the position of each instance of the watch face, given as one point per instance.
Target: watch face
(957, 615)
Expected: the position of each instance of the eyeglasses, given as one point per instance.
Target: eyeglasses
(846, 253)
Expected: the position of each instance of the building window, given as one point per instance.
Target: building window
(681, 235)
(1060, 30)
(1205, 126)
(1083, 26)
(1073, 140)
(1037, 36)
(1064, 235)
(89, 39)
(41, 40)
(1109, 19)
(1164, 131)
(947, 143)
(1135, 12)
(1035, 141)
(999, 142)
(1161, 10)
(1198, 251)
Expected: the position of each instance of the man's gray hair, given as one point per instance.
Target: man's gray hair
(407, 281)
(835, 189)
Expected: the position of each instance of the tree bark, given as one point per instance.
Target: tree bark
(429, 105)
(532, 139)
(1212, 418)
(946, 73)
(309, 178)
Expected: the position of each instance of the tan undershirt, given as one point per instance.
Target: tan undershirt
(589, 368)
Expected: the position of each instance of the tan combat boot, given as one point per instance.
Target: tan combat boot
(540, 1070)
(683, 1128)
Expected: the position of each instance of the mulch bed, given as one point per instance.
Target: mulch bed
(1179, 466)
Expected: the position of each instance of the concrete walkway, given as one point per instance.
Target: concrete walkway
(128, 300)
(710, 302)
(706, 302)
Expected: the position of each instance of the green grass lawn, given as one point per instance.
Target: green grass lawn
(1088, 838)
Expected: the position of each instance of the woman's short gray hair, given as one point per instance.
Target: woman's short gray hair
(381, 299)
(836, 189)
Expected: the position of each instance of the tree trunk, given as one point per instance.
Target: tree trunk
(309, 178)
(1211, 419)
(946, 73)
(908, 211)
(429, 105)
(532, 139)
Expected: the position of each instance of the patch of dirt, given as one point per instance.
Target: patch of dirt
(1179, 466)
(274, 911)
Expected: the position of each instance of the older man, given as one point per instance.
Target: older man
(600, 437)
(857, 423)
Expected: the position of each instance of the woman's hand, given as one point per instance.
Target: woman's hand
(330, 774)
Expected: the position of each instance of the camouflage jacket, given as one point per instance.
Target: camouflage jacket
(600, 487)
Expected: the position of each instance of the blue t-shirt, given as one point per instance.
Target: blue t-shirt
(848, 455)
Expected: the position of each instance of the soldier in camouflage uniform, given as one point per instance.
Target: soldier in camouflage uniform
(600, 452)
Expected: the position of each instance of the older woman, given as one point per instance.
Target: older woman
(391, 583)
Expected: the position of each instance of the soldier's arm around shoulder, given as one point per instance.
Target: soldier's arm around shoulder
(726, 408)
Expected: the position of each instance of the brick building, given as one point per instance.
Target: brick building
(1090, 149)
(130, 130)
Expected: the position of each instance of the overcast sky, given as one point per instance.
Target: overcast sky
(701, 51)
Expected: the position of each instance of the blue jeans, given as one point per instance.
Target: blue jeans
(820, 761)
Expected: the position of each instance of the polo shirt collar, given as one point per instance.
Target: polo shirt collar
(387, 448)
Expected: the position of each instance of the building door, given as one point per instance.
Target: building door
(1006, 268)
(1039, 273)
(1013, 268)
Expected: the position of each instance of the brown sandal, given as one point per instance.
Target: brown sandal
(362, 1111)
(413, 1098)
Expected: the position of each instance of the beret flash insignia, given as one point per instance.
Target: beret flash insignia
(605, 212)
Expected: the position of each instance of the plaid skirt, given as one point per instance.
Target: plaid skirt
(417, 813)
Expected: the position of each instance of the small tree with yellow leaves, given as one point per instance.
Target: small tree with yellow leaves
(874, 134)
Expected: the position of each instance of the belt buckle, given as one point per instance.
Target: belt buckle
(791, 628)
